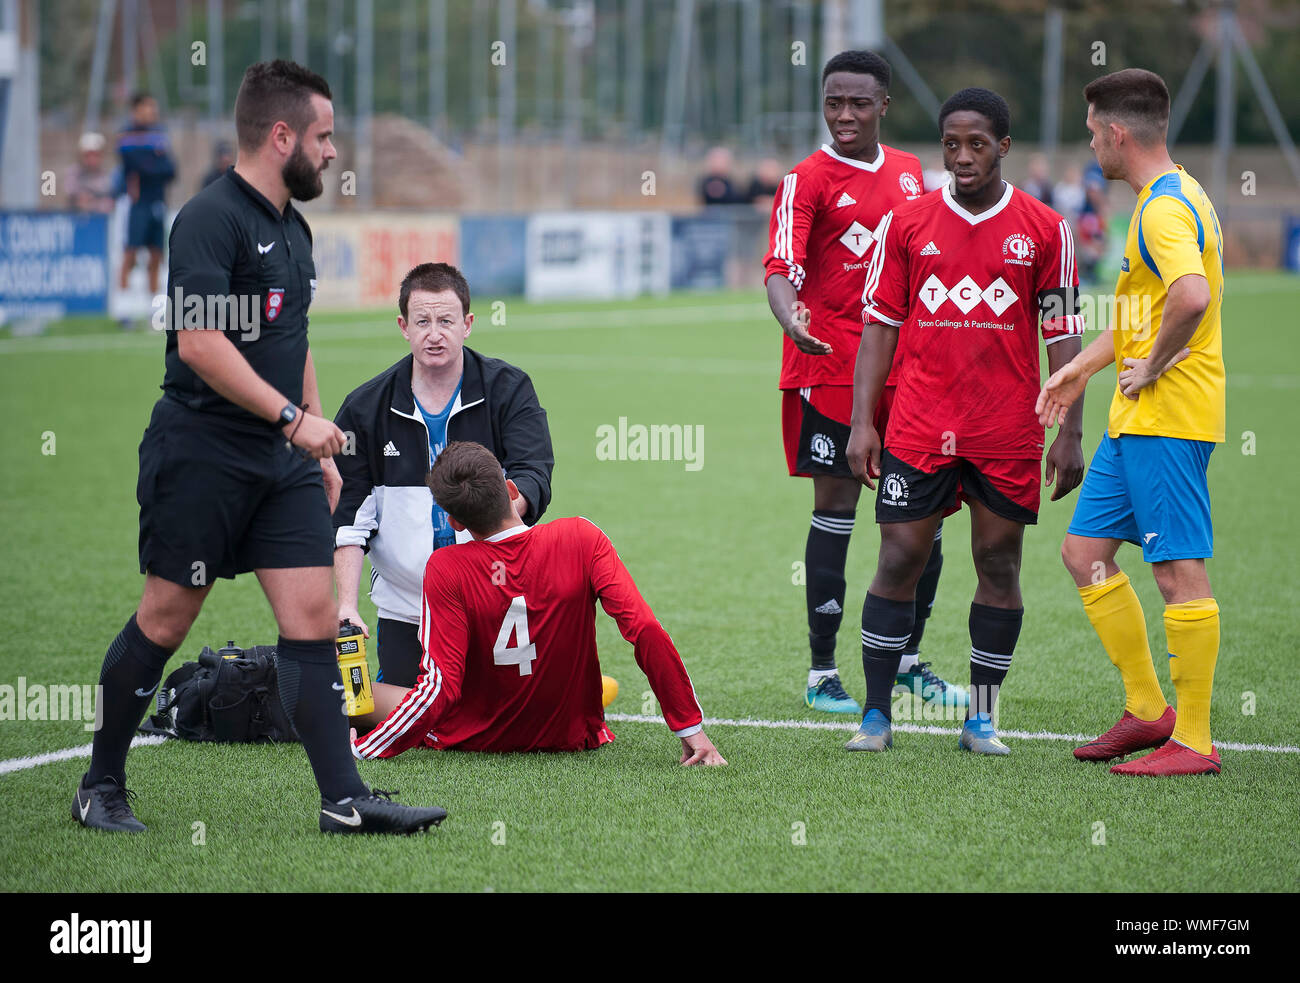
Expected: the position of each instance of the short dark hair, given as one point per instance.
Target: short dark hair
(986, 102)
(139, 97)
(859, 63)
(434, 277)
(273, 92)
(1134, 97)
(468, 484)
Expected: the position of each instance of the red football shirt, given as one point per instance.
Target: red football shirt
(823, 225)
(509, 636)
(965, 292)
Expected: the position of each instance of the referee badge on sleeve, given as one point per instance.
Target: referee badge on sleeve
(274, 303)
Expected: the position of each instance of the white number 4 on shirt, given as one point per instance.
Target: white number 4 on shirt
(523, 652)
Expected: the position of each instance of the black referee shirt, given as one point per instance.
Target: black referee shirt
(237, 264)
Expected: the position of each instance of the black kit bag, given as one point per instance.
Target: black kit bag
(228, 696)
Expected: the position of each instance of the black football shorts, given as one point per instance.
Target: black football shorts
(218, 498)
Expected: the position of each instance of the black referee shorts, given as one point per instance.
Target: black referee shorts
(219, 499)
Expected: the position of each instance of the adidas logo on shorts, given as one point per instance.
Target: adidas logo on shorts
(830, 607)
(391, 451)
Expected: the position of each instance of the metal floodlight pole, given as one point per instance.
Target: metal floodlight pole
(333, 45)
(130, 32)
(725, 65)
(572, 81)
(679, 58)
(634, 80)
(216, 55)
(267, 30)
(478, 65)
(1053, 45)
(406, 58)
(1265, 97)
(911, 77)
(1225, 115)
(438, 68)
(751, 85)
(1191, 85)
(545, 105)
(185, 33)
(802, 29)
(298, 31)
(506, 107)
(99, 63)
(365, 102)
(149, 39)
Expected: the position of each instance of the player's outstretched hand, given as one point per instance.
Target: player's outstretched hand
(699, 750)
(863, 454)
(1064, 465)
(797, 331)
(316, 435)
(1059, 393)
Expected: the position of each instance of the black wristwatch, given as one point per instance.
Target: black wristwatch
(288, 414)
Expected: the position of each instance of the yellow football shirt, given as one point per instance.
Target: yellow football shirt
(1174, 231)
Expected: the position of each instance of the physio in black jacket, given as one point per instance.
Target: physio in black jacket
(397, 424)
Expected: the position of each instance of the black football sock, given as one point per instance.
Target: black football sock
(824, 557)
(993, 636)
(311, 692)
(886, 626)
(128, 679)
(925, 590)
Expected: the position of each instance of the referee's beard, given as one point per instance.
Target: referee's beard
(301, 176)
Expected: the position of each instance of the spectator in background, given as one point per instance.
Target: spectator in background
(716, 187)
(1091, 235)
(764, 185)
(1039, 181)
(1068, 195)
(223, 158)
(88, 185)
(147, 169)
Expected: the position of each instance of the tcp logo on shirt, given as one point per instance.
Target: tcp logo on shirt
(274, 303)
(907, 181)
(998, 295)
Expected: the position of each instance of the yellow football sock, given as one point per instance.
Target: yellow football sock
(1192, 630)
(1113, 608)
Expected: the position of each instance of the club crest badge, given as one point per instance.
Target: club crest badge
(274, 303)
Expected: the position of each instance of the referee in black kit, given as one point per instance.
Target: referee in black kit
(221, 490)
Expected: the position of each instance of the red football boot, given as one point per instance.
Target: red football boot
(1172, 758)
(1129, 735)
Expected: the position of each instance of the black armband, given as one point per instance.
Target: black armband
(1058, 302)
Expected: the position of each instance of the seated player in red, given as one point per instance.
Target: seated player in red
(508, 632)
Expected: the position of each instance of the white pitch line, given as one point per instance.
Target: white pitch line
(1028, 735)
(67, 754)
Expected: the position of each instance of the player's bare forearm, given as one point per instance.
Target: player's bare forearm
(783, 299)
(871, 369)
(216, 361)
(349, 561)
(1059, 355)
(793, 316)
(1189, 296)
(387, 697)
(1099, 354)
(310, 388)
